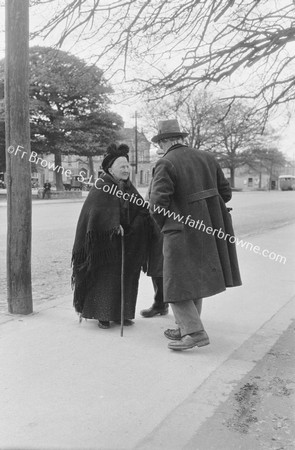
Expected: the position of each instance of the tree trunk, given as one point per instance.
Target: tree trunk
(232, 176)
(91, 168)
(58, 173)
(17, 134)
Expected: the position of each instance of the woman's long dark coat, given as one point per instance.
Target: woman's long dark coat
(197, 262)
(96, 254)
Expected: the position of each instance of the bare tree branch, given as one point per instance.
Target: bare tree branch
(194, 41)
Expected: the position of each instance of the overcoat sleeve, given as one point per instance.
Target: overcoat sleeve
(162, 190)
(223, 185)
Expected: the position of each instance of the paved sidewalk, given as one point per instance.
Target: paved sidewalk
(66, 385)
(259, 413)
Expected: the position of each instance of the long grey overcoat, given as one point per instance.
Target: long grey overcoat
(187, 201)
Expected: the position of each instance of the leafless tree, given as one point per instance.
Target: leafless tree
(236, 130)
(227, 131)
(197, 114)
(265, 157)
(191, 42)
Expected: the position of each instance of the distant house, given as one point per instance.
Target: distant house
(80, 164)
(257, 177)
(251, 179)
(140, 159)
(77, 165)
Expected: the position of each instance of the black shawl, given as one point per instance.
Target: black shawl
(96, 240)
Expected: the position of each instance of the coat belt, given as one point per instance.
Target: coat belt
(201, 195)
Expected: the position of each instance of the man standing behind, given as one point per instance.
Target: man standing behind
(188, 197)
(155, 268)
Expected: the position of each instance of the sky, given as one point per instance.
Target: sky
(126, 107)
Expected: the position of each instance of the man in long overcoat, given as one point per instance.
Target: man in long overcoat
(188, 197)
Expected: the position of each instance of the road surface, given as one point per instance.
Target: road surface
(54, 226)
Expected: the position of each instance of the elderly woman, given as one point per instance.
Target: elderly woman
(112, 204)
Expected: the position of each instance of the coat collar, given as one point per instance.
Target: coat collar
(174, 147)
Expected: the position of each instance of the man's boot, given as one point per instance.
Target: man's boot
(155, 309)
(158, 307)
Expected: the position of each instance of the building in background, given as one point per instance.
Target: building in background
(253, 178)
(139, 158)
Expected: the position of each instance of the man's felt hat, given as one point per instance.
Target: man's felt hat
(168, 129)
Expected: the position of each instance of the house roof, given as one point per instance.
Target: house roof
(128, 134)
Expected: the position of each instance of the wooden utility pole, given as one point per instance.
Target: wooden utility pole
(17, 136)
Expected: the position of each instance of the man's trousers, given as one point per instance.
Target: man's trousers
(187, 316)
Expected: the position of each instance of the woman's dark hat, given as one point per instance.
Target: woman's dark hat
(167, 129)
(113, 152)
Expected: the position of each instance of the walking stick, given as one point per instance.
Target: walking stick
(122, 277)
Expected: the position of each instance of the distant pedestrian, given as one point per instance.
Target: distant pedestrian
(187, 201)
(112, 203)
(46, 190)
